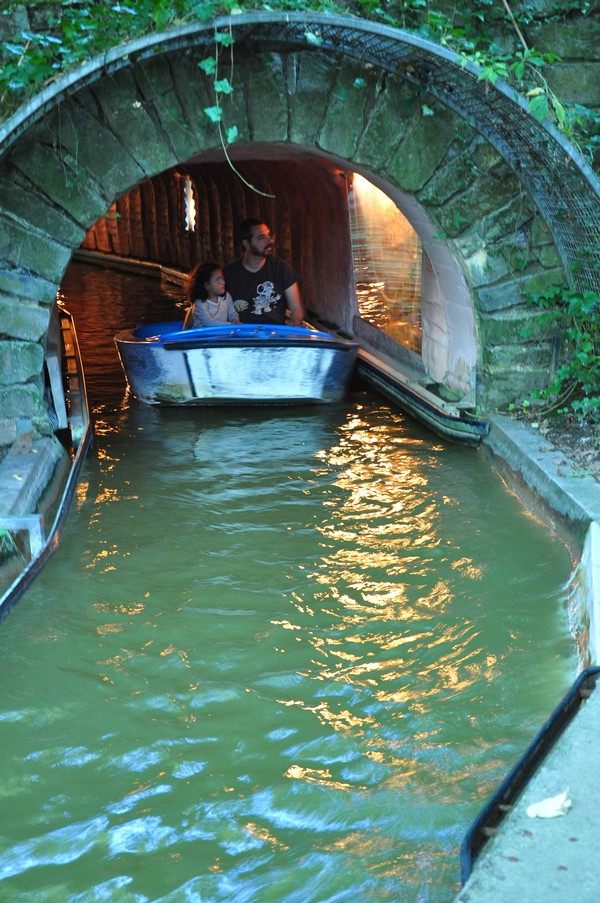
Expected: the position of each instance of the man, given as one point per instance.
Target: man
(262, 286)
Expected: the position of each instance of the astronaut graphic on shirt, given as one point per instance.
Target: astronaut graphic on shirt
(260, 297)
(266, 297)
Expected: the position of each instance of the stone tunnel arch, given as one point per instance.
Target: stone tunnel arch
(377, 101)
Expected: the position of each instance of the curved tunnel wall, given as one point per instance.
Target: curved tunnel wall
(303, 198)
(483, 237)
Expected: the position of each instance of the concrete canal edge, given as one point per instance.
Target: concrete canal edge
(551, 859)
(567, 501)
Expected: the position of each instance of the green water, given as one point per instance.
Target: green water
(279, 656)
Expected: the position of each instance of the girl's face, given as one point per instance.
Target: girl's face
(216, 284)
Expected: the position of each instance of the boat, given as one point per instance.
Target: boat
(235, 364)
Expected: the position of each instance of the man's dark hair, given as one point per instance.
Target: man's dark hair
(244, 231)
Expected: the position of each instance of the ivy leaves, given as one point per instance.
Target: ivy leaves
(576, 315)
(220, 86)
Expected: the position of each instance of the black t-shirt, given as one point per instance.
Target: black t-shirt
(263, 292)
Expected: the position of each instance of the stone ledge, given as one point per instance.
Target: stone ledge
(25, 472)
(545, 470)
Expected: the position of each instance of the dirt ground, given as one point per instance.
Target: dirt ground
(580, 444)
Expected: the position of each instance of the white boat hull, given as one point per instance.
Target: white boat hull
(243, 364)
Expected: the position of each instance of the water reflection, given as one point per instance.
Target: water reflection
(286, 666)
(387, 258)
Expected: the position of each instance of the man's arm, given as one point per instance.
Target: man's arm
(294, 303)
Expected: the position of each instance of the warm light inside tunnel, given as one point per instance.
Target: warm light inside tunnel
(387, 263)
(189, 205)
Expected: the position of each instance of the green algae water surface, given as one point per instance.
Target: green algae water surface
(281, 656)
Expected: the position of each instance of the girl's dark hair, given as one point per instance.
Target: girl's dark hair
(201, 274)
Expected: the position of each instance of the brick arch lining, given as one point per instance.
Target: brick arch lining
(138, 113)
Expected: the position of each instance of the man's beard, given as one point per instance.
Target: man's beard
(261, 252)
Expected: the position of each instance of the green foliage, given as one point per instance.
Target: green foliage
(66, 33)
(576, 318)
(73, 33)
(221, 86)
(8, 546)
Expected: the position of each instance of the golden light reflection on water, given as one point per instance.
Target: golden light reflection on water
(316, 776)
(387, 261)
(297, 634)
(265, 836)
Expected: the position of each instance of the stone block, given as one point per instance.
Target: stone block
(501, 296)
(62, 178)
(23, 285)
(17, 201)
(28, 250)
(265, 97)
(13, 22)
(523, 356)
(503, 384)
(347, 104)
(156, 81)
(485, 200)
(21, 320)
(576, 39)
(503, 225)
(422, 149)
(507, 221)
(8, 431)
(549, 257)
(486, 265)
(310, 78)
(22, 401)
(459, 172)
(575, 84)
(541, 281)
(20, 361)
(526, 324)
(95, 149)
(131, 118)
(393, 105)
(195, 93)
(540, 233)
(26, 474)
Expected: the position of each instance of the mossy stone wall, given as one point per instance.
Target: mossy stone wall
(96, 145)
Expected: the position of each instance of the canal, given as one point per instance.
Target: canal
(281, 656)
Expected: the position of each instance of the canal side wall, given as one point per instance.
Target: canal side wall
(569, 504)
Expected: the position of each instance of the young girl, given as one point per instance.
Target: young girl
(211, 304)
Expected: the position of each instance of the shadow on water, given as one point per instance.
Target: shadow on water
(281, 655)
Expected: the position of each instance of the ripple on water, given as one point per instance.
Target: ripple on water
(279, 656)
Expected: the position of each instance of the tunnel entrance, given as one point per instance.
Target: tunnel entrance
(369, 259)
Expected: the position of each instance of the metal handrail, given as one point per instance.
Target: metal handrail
(44, 550)
(501, 803)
